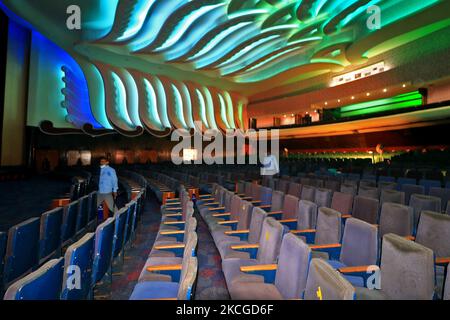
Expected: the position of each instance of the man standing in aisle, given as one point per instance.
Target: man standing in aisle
(107, 186)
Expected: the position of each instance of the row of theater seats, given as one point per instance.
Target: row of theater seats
(249, 239)
(170, 271)
(80, 258)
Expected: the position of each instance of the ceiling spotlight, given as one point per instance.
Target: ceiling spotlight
(353, 98)
(285, 116)
(368, 94)
(384, 90)
(326, 103)
(339, 100)
(404, 85)
(292, 115)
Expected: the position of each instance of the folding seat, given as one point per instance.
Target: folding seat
(78, 261)
(368, 192)
(283, 186)
(22, 250)
(285, 280)
(323, 197)
(119, 232)
(359, 248)
(82, 216)
(366, 209)
(428, 184)
(276, 203)
(421, 203)
(308, 193)
(333, 185)
(228, 212)
(263, 196)
(50, 234)
(396, 218)
(266, 251)
(183, 290)
(178, 223)
(224, 240)
(104, 236)
(43, 284)
(368, 183)
(406, 272)
(385, 179)
(295, 189)
(342, 202)
(401, 181)
(443, 194)
(93, 212)
(157, 268)
(305, 181)
(69, 225)
(349, 188)
(289, 210)
(307, 215)
(325, 283)
(410, 189)
(382, 185)
(446, 295)
(328, 228)
(393, 196)
(353, 176)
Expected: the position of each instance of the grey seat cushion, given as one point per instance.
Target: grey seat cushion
(366, 209)
(359, 243)
(231, 270)
(255, 291)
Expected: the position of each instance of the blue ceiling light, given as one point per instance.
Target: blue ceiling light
(179, 106)
(120, 103)
(162, 102)
(132, 98)
(152, 102)
(223, 111)
(138, 18)
(202, 106)
(187, 106)
(230, 110)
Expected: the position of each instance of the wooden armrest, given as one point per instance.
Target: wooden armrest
(173, 267)
(211, 203)
(174, 222)
(205, 196)
(443, 260)
(169, 246)
(205, 199)
(241, 194)
(412, 238)
(228, 222)
(325, 246)
(303, 231)
(287, 220)
(174, 208)
(255, 201)
(170, 215)
(274, 213)
(245, 246)
(261, 267)
(230, 233)
(217, 208)
(346, 216)
(218, 215)
(168, 233)
(356, 269)
(265, 206)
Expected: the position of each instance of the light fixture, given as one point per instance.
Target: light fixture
(368, 94)
(339, 100)
(285, 116)
(292, 115)
(353, 98)
(384, 90)
(404, 85)
(326, 103)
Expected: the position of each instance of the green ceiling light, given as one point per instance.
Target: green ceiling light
(202, 105)
(210, 115)
(152, 105)
(178, 106)
(230, 111)
(120, 104)
(410, 99)
(223, 111)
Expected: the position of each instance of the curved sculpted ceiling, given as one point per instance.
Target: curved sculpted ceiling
(157, 65)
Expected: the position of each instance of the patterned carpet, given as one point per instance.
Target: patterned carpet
(210, 284)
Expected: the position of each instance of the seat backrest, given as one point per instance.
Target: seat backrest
(258, 216)
(396, 218)
(255, 191)
(333, 185)
(382, 185)
(277, 201)
(293, 264)
(421, 203)
(235, 206)
(359, 243)
(369, 192)
(68, 228)
(93, 206)
(248, 189)
(326, 283)
(283, 185)
(329, 226)
(433, 232)
(42, 284)
(270, 241)
(83, 213)
(323, 197)
(187, 279)
(410, 189)
(407, 269)
(391, 195)
(307, 215)
(348, 188)
(290, 207)
(22, 250)
(228, 198)
(427, 184)
(308, 193)
(265, 196)
(295, 189)
(78, 261)
(447, 286)
(103, 249)
(342, 202)
(366, 209)
(50, 233)
(443, 194)
(240, 187)
(245, 214)
(119, 230)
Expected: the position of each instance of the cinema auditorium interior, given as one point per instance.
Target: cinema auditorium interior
(224, 150)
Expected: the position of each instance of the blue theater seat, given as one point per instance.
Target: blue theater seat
(78, 260)
(93, 211)
(401, 181)
(50, 234)
(131, 222)
(104, 236)
(119, 231)
(428, 184)
(22, 250)
(42, 284)
(3, 240)
(82, 216)
(69, 225)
